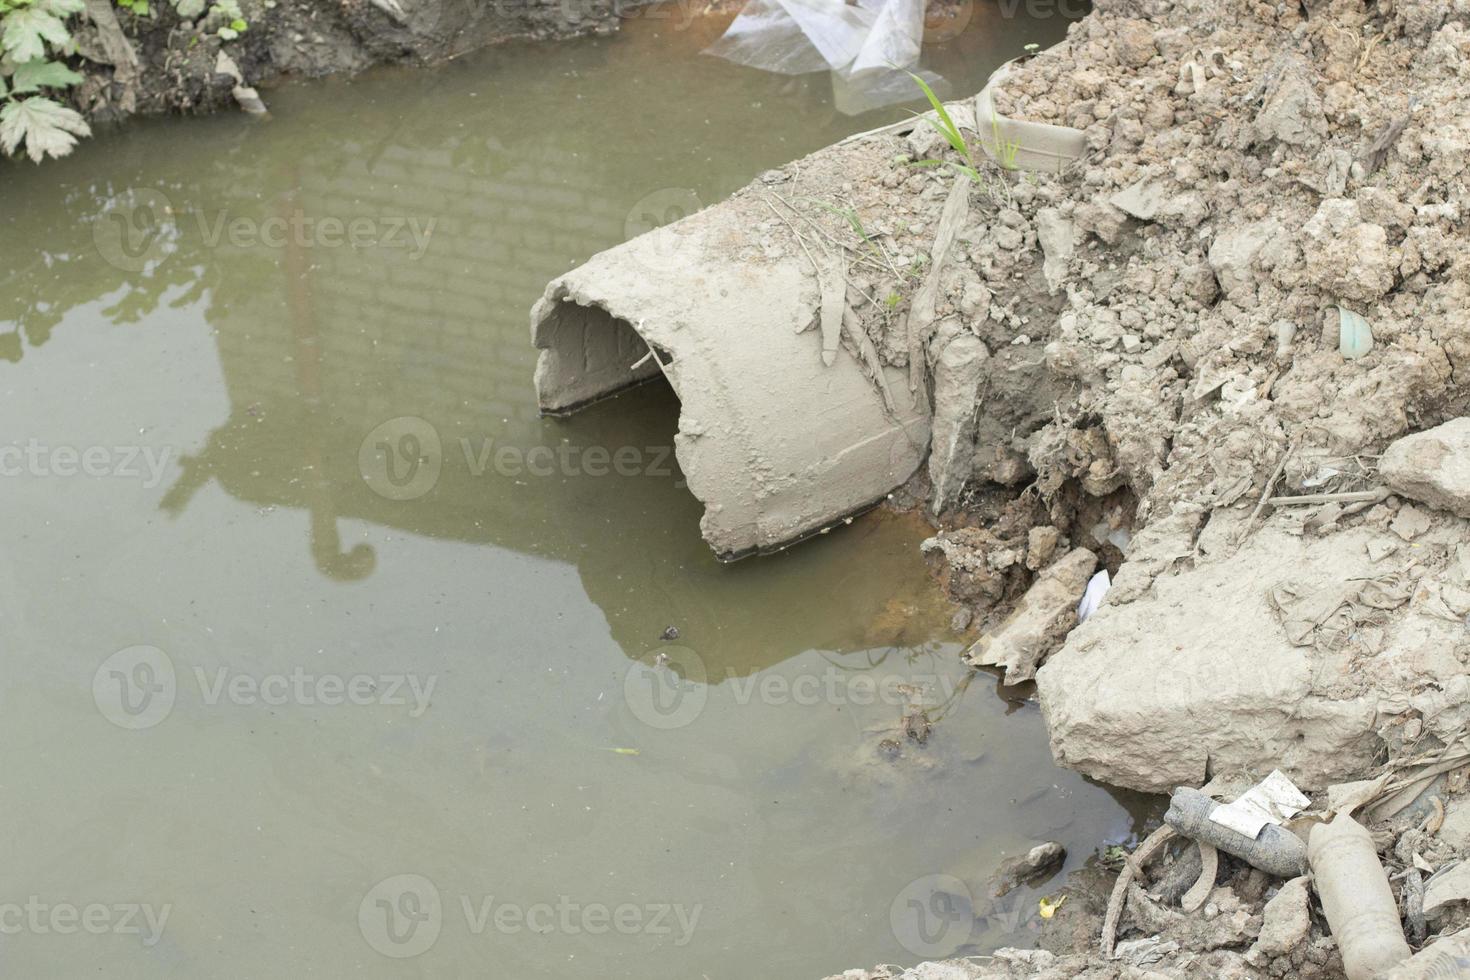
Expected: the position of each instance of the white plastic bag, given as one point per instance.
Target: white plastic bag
(869, 47)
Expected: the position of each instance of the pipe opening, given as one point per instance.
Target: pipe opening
(589, 355)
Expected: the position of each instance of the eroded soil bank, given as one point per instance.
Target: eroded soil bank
(163, 62)
(1186, 359)
(1252, 283)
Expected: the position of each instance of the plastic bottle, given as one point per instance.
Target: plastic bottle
(1276, 851)
(1360, 908)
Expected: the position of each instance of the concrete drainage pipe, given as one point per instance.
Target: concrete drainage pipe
(775, 442)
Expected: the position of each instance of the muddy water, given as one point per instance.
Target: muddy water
(327, 657)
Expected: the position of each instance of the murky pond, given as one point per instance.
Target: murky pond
(326, 656)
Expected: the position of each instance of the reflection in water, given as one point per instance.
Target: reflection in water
(330, 338)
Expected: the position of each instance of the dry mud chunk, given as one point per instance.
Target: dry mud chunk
(1432, 466)
(1285, 923)
(1292, 111)
(1133, 42)
(1234, 254)
(956, 383)
(1041, 620)
(1350, 257)
(1199, 674)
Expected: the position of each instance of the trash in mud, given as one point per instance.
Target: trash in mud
(1355, 337)
(1097, 587)
(1021, 144)
(1356, 898)
(1040, 622)
(1274, 800)
(869, 47)
(916, 726)
(1274, 849)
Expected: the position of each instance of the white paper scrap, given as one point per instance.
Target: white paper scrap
(1092, 597)
(1274, 799)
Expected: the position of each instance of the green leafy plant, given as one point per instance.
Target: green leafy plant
(34, 40)
(225, 19)
(33, 37)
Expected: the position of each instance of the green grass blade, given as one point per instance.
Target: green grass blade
(849, 216)
(945, 125)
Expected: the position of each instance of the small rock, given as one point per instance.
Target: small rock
(1133, 42)
(1142, 200)
(1010, 468)
(1102, 220)
(1055, 235)
(671, 633)
(1007, 239)
(1432, 467)
(1409, 522)
(1041, 544)
(1378, 549)
(1292, 110)
(1033, 867)
(1456, 828)
(1233, 254)
(1285, 921)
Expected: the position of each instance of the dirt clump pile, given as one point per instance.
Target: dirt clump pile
(1226, 351)
(1252, 281)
